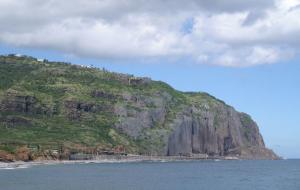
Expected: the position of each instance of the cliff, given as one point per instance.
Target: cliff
(53, 110)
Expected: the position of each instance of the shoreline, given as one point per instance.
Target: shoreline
(108, 159)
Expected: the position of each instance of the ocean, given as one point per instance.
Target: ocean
(181, 175)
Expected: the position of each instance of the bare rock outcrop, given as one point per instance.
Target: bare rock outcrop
(217, 130)
(225, 132)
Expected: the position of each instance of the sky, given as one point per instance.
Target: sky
(243, 52)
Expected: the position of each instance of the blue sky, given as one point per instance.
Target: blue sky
(269, 93)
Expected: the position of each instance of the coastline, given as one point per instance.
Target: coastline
(108, 159)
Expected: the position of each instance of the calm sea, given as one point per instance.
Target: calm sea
(198, 175)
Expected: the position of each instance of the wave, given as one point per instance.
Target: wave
(13, 166)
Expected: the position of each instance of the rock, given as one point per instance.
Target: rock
(137, 81)
(75, 109)
(215, 130)
(144, 112)
(23, 153)
(84, 106)
(233, 137)
(6, 157)
(23, 104)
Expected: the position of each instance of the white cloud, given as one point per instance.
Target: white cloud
(229, 33)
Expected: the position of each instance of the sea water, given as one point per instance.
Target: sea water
(192, 175)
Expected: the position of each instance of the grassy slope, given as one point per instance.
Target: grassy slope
(53, 84)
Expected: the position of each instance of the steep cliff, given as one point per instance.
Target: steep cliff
(51, 110)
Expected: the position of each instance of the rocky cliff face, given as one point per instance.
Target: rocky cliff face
(221, 133)
(211, 128)
(53, 110)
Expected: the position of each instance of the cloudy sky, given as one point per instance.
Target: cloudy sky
(229, 33)
(245, 52)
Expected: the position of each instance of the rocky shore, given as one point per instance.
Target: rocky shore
(106, 159)
(116, 159)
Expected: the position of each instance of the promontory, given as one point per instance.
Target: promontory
(55, 110)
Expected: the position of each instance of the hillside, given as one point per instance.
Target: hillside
(51, 110)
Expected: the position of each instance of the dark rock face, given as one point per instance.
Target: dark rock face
(199, 134)
(23, 104)
(75, 109)
(218, 130)
(145, 112)
(83, 106)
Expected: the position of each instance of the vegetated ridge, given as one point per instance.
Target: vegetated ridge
(55, 110)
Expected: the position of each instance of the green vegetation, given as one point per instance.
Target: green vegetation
(54, 104)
